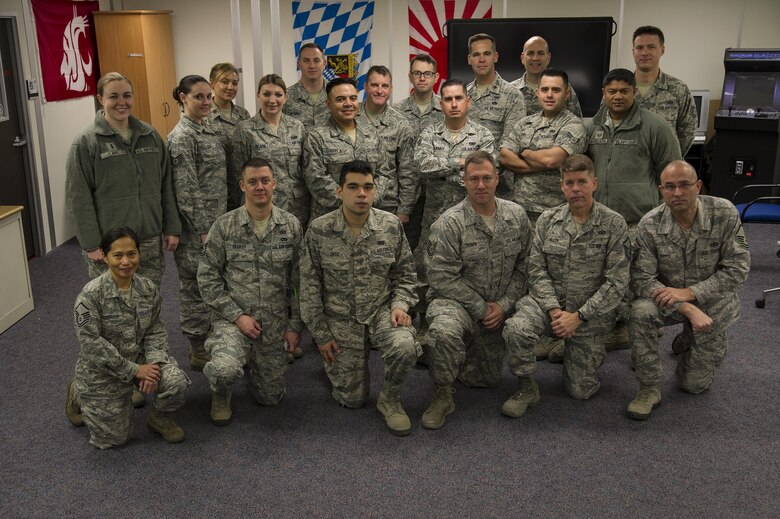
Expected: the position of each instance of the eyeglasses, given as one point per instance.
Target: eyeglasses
(428, 74)
(671, 188)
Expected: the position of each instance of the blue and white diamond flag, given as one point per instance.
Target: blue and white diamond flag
(342, 29)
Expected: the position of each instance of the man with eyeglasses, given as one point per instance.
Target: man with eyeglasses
(578, 270)
(248, 274)
(476, 265)
(306, 98)
(536, 58)
(630, 146)
(690, 261)
(358, 284)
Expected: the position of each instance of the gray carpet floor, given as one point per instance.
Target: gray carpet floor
(712, 455)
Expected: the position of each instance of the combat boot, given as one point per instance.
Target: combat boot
(679, 346)
(555, 355)
(198, 354)
(297, 352)
(618, 338)
(648, 398)
(389, 404)
(161, 423)
(220, 408)
(72, 408)
(441, 406)
(543, 347)
(138, 399)
(527, 395)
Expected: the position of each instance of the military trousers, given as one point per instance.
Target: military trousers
(706, 350)
(152, 263)
(582, 354)
(458, 346)
(349, 376)
(194, 314)
(266, 356)
(108, 412)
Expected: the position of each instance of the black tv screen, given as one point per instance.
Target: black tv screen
(580, 46)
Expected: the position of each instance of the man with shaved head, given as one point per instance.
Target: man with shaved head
(690, 260)
(536, 58)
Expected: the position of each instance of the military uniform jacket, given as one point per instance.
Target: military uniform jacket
(300, 107)
(498, 109)
(472, 265)
(327, 148)
(110, 183)
(586, 271)
(629, 160)
(115, 336)
(438, 156)
(713, 261)
(199, 176)
(532, 105)
(420, 120)
(283, 150)
(672, 100)
(539, 191)
(395, 134)
(243, 273)
(225, 127)
(347, 278)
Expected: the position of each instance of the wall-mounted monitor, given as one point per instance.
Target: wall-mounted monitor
(580, 46)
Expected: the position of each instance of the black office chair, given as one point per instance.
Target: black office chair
(764, 209)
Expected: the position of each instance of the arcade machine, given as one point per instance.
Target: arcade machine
(748, 122)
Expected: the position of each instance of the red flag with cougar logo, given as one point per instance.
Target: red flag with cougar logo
(66, 42)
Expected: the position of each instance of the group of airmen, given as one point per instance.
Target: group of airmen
(451, 229)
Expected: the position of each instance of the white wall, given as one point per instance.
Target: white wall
(697, 32)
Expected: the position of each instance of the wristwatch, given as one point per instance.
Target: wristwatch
(582, 317)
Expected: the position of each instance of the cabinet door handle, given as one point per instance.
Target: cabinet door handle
(165, 109)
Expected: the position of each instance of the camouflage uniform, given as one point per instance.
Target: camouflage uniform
(713, 261)
(540, 191)
(532, 104)
(327, 148)
(299, 106)
(225, 128)
(396, 136)
(586, 271)
(629, 160)
(469, 265)
(284, 151)
(115, 337)
(670, 98)
(349, 286)
(110, 183)
(199, 176)
(498, 109)
(418, 121)
(243, 273)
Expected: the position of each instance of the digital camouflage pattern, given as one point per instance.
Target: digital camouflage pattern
(152, 265)
(225, 128)
(713, 261)
(300, 106)
(672, 100)
(540, 191)
(532, 104)
(469, 265)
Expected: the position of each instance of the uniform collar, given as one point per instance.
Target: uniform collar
(103, 128)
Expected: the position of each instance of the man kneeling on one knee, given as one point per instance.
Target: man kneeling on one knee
(578, 271)
(690, 260)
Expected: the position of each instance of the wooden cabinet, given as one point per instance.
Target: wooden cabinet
(139, 45)
(17, 298)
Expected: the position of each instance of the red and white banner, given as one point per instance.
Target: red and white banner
(426, 22)
(66, 41)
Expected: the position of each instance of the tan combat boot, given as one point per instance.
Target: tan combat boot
(220, 408)
(72, 408)
(161, 423)
(543, 347)
(555, 354)
(139, 400)
(198, 354)
(679, 346)
(389, 404)
(527, 395)
(441, 406)
(648, 398)
(618, 338)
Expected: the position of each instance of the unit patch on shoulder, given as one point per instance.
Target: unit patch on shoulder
(176, 161)
(430, 248)
(82, 315)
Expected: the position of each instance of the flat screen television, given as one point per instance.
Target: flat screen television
(580, 46)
